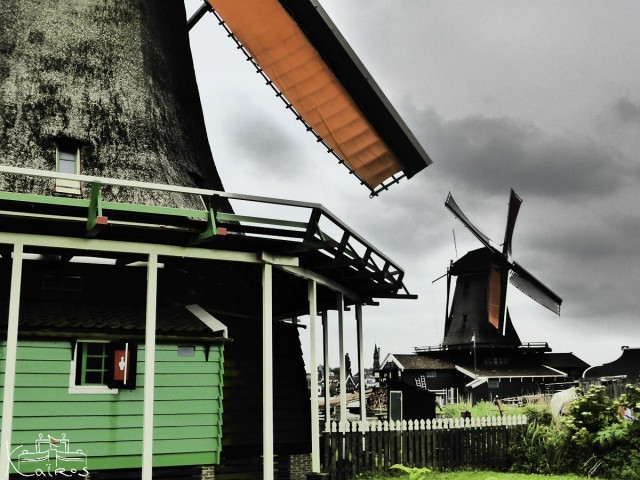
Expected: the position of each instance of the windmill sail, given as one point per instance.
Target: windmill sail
(455, 209)
(304, 56)
(534, 288)
(494, 303)
(514, 207)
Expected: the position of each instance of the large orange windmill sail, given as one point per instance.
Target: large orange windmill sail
(300, 50)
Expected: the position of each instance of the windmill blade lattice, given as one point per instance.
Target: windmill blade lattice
(514, 207)
(534, 288)
(455, 209)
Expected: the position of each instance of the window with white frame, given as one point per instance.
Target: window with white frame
(67, 161)
(102, 367)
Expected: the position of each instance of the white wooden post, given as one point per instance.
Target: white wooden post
(327, 371)
(267, 373)
(363, 399)
(315, 419)
(149, 367)
(343, 376)
(10, 360)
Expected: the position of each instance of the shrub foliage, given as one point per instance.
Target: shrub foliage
(593, 439)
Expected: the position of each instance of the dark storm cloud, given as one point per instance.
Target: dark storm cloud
(489, 155)
(626, 111)
(589, 260)
(605, 235)
(484, 157)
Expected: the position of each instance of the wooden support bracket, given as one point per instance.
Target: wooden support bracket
(96, 222)
(312, 226)
(212, 229)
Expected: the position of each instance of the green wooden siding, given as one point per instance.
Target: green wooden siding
(108, 427)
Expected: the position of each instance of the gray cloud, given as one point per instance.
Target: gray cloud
(489, 155)
(626, 111)
(266, 145)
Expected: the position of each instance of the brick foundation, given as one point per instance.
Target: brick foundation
(300, 466)
(208, 472)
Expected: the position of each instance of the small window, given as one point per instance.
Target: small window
(68, 161)
(431, 374)
(92, 364)
(103, 367)
(494, 383)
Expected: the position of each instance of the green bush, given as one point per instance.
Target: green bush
(603, 442)
(542, 449)
(538, 415)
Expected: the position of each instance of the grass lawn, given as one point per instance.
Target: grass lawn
(482, 476)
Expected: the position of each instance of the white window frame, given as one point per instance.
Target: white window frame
(70, 187)
(86, 389)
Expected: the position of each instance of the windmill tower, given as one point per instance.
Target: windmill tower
(479, 311)
(109, 90)
(103, 89)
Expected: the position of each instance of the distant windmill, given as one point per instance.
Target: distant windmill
(479, 308)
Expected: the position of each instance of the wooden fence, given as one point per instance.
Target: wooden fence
(355, 447)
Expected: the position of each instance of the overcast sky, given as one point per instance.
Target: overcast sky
(542, 97)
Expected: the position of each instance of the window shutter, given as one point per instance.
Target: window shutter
(122, 361)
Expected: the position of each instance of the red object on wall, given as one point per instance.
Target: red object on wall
(121, 362)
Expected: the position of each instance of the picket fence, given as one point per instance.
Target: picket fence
(351, 448)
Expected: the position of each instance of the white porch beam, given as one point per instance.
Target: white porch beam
(315, 418)
(267, 372)
(149, 367)
(343, 375)
(10, 360)
(327, 371)
(321, 280)
(363, 399)
(115, 246)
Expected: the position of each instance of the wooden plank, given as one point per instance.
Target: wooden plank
(50, 394)
(39, 366)
(393, 447)
(43, 409)
(107, 422)
(335, 449)
(408, 448)
(380, 451)
(113, 435)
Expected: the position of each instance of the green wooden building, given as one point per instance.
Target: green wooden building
(79, 380)
(107, 426)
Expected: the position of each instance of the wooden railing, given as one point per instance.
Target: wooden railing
(355, 447)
